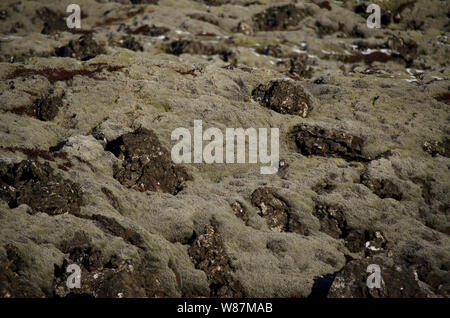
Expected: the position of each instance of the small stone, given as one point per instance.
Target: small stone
(284, 96)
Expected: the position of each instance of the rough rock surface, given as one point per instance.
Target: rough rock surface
(35, 184)
(86, 175)
(83, 48)
(146, 164)
(208, 254)
(276, 212)
(314, 140)
(284, 96)
(397, 281)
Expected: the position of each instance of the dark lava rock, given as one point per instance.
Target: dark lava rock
(208, 254)
(13, 285)
(113, 200)
(276, 212)
(46, 108)
(115, 228)
(131, 282)
(371, 242)
(36, 184)
(131, 43)
(81, 251)
(149, 30)
(15, 261)
(146, 164)
(384, 188)
(432, 271)
(438, 147)
(299, 68)
(84, 48)
(100, 277)
(397, 281)
(115, 279)
(443, 97)
(332, 220)
(314, 140)
(193, 47)
(53, 22)
(284, 96)
(323, 5)
(279, 17)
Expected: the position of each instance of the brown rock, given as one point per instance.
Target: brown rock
(84, 48)
(35, 184)
(299, 68)
(438, 147)
(332, 220)
(146, 164)
(384, 188)
(208, 254)
(397, 281)
(284, 96)
(276, 212)
(314, 140)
